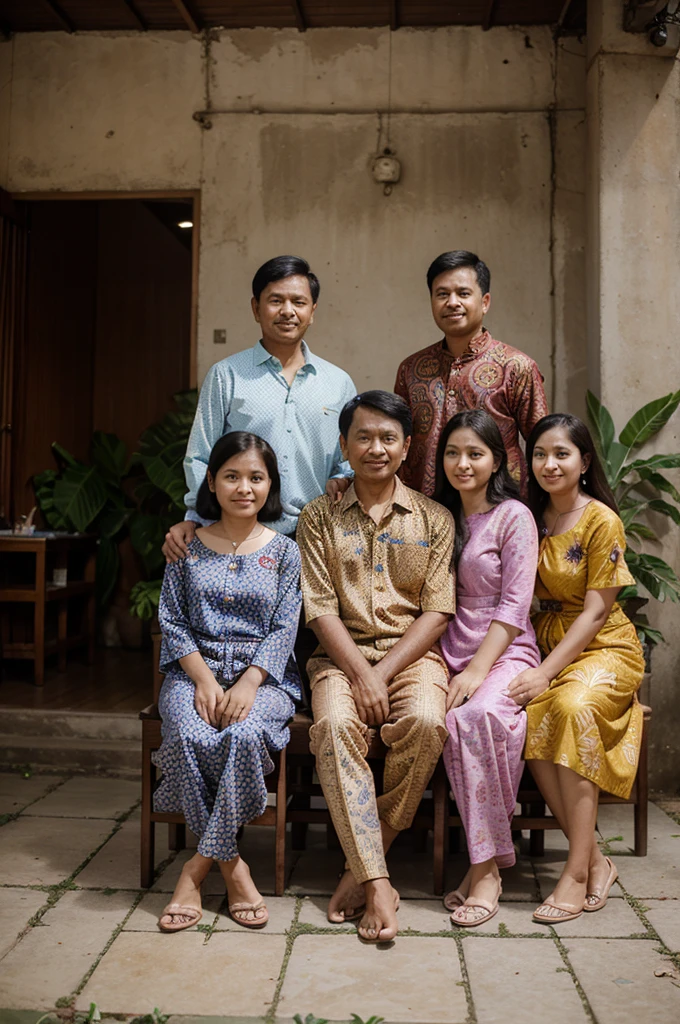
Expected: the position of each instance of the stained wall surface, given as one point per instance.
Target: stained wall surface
(285, 166)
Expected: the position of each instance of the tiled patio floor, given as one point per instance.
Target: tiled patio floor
(76, 930)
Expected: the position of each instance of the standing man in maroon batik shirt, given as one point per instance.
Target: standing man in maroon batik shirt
(467, 369)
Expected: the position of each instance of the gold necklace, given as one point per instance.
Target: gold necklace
(576, 508)
(237, 543)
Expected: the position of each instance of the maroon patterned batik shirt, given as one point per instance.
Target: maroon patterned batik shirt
(489, 375)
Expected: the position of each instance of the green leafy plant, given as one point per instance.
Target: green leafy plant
(639, 485)
(309, 1019)
(114, 496)
(160, 496)
(88, 497)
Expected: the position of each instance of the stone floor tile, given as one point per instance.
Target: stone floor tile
(17, 907)
(281, 910)
(44, 851)
(615, 921)
(315, 872)
(212, 886)
(238, 974)
(519, 882)
(116, 866)
(652, 877)
(16, 791)
(664, 916)
(521, 980)
(411, 872)
(417, 979)
(313, 912)
(146, 914)
(51, 960)
(83, 797)
(617, 976)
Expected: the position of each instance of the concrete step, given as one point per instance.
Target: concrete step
(73, 753)
(70, 724)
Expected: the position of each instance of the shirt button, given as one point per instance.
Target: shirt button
(451, 392)
(233, 566)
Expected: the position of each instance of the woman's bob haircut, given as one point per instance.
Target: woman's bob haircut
(235, 443)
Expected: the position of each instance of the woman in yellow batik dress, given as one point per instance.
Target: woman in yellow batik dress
(584, 722)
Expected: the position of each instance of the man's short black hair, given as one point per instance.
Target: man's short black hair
(284, 266)
(382, 401)
(454, 260)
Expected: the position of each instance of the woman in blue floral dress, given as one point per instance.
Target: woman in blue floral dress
(229, 614)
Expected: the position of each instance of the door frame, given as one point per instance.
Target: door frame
(194, 195)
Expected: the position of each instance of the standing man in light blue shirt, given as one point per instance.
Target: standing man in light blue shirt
(279, 390)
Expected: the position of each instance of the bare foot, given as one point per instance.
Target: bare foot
(569, 894)
(347, 900)
(484, 885)
(188, 891)
(379, 923)
(241, 888)
(456, 897)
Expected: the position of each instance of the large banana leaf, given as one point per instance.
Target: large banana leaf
(147, 533)
(145, 598)
(43, 485)
(80, 495)
(108, 454)
(649, 420)
(661, 483)
(601, 422)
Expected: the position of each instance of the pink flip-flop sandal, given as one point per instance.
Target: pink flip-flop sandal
(176, 909)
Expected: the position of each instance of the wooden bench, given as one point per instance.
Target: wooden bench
(293, 783)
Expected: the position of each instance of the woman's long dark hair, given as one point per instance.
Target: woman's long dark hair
(501, 485)
(235, 443)
(595, 480)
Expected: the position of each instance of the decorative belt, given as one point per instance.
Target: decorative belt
(549, 606)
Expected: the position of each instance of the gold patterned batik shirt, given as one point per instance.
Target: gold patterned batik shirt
(376, 577)
(489, 375)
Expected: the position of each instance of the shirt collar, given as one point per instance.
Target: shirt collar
(260, 356)
(476, 346)
(401, 497)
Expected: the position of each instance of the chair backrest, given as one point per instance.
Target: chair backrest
(157, 674)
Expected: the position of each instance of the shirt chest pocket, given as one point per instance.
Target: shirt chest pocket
(407, 565)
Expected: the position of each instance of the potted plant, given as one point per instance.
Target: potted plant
(640, 487)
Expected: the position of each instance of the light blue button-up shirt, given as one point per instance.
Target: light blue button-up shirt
(247, 391)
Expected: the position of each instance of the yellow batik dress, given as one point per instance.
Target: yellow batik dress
(588, 719)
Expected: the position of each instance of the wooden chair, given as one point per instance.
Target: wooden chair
(533, 816)
(151, 741)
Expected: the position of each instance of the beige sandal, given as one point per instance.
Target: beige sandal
(596, 900)
(566, 912)
(244, 908)
(176, 909)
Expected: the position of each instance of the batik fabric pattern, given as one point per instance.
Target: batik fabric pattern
(235, 611)
(377, 579)
(589, 719)
(489, 375)
(483, 753)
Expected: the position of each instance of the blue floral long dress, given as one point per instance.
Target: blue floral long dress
(236, 611)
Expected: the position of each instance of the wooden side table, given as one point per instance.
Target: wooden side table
(22, 584)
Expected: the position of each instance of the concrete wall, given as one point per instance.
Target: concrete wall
(295, 121)
(633, 98)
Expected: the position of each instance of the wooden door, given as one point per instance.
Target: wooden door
(12, 323)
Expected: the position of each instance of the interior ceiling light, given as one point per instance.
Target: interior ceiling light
(185, 224)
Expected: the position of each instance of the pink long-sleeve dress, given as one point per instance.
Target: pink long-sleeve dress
(483, 754)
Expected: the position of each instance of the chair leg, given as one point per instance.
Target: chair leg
(147, 830)
(280, 832)
(301, 801)
(642, 784)
(177, 837)
(440, 800)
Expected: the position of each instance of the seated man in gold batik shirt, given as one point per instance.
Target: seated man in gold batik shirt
(378, 592)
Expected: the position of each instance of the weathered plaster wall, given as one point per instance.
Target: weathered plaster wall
(634, 296)
(285, 166)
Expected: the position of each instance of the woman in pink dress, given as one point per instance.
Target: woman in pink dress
(486, 645)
